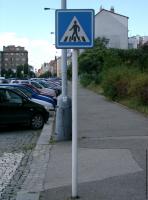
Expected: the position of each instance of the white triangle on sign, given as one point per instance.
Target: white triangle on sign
(74, 32)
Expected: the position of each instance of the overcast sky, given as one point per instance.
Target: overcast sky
(25, 23)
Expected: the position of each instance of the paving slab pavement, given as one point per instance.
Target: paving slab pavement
(94, 164)
(112, 156)
(115, 188)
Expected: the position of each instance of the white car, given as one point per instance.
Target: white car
(47, 106)
(19, 81)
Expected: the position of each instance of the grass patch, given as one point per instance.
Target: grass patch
(52, 140)
(95, 88)
(134, 104)
(28, 147)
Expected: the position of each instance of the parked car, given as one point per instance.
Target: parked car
(47, 106)
(42, 88)
(40, 92)
(3, 80)
(19, 81)
(29, 92)
(18, 109)
(54, 86)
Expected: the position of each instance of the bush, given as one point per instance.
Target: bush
(139, 88)
(116, 82)
(85, 79)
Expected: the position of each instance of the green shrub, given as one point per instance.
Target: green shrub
(116, 82)
(85, 79)
(69, 72)
(139, 88)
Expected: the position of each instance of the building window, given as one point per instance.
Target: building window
(23, 59)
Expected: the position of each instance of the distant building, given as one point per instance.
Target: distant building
(134, 42)
(12, 56)
(59, 61)
(137, 41)
(59, 73)
(113, 27)
(145, 39)
(50, 67)
(45, 67)
(53, 66)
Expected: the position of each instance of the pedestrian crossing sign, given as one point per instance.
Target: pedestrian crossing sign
(74, 28)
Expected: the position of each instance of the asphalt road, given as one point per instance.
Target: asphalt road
(16, 146)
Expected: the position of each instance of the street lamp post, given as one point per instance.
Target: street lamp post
(64, 111)
(63, 127)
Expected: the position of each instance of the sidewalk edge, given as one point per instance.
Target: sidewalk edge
(34, 182)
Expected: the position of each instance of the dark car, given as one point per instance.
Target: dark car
(32, 94)
(18, 109)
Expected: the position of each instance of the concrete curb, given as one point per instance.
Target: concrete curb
(34, 182)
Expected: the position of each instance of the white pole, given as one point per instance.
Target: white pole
(74, 123)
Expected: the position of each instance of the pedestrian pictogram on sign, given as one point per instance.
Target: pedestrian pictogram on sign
(74, 28)
(74, 32)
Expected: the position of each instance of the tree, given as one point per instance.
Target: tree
(92, 60)
(25, 71)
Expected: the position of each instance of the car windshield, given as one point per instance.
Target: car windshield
(37, 85)
(25, 91)
(22, 93)
(9, 97)
(32, 88)
(44, 84)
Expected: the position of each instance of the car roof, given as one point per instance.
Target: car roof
(16, 90)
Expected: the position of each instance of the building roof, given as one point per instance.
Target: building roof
(111, 12)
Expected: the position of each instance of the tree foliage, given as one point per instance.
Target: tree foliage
(22, 71)
(115, 69)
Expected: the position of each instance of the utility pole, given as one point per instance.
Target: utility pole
(64, 109)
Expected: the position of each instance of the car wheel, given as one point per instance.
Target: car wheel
(37, 121)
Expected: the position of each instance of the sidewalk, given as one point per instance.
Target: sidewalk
(111, 154)
(112, 144)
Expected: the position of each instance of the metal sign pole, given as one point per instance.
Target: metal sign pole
(74, 123)
(76, 32)
(64, 61)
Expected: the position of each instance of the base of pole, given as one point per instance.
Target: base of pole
(73, 198)
(63, 130)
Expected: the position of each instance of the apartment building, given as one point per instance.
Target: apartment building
(12, 56)
(113, 27)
